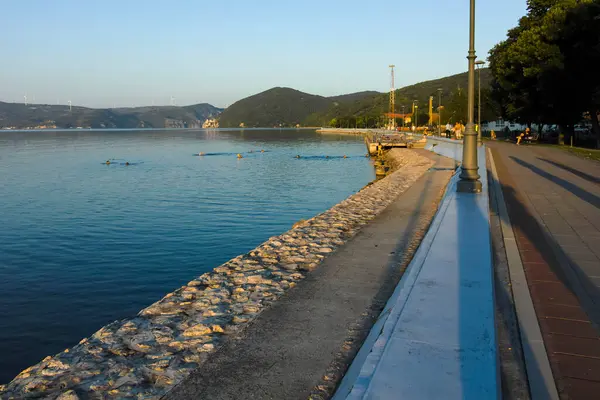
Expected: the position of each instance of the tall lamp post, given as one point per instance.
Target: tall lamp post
(479, 63)
(440, 111)
(469, 177)
(416, 107)
(403, 117)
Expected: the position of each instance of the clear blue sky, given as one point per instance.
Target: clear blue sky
(134, 52)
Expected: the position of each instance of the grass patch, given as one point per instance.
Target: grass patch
(588, 154)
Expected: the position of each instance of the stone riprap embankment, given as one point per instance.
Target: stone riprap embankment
(145, 356)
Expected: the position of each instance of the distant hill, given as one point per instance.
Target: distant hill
(281, 106)
(287, 107)
(378, 104)
(354, 96)
(273, 107)
(18, 115)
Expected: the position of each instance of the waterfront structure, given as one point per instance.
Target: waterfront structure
(210, 123)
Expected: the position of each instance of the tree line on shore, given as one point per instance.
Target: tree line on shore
(547, 69)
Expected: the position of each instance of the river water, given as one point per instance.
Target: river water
(83, 243)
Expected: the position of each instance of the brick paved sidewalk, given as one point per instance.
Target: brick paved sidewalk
(553, 200)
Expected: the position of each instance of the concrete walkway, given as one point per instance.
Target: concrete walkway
(302, 345)
(553, 201)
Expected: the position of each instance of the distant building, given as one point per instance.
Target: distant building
(210, 123)
(501, 125)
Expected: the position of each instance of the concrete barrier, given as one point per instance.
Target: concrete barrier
(446, 147)
(436, 337)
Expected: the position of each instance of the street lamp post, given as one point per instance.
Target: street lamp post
(479, 63)
(416, 114)
(403, 117)
(439, 112)
(469, 177)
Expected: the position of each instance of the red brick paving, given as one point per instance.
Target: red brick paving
(573, 345)
(580, 389)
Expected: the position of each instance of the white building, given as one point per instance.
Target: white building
(500, 125)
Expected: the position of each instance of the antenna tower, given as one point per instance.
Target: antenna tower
(392, 120)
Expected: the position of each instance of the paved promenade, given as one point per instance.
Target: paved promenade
(553, 201)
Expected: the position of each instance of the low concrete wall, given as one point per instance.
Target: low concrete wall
(446, 147)
(436, 336)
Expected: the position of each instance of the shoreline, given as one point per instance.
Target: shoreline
(151, 352)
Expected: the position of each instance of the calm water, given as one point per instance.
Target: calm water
(83, 244)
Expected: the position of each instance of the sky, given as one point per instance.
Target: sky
(140, 52)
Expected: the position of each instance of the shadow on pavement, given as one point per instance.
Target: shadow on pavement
(526, 226)
(574, 171)
(570, 187)
(476, 325)
(513, 374)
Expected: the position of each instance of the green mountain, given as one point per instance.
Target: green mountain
(375, 106)
(281, 106)
(16, 115)
(354, 96)
(287, 107)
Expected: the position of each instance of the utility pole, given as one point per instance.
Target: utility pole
(440, 111)
(416, 114)
(469, 177)
(430, 122)
(403, 117)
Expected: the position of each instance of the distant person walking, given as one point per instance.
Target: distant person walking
(458, 130)
(448, 130)
(493, 135)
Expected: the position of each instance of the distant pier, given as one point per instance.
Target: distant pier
(381, 139)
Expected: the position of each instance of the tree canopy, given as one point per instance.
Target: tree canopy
(545, 72)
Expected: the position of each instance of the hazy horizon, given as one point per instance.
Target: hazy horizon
(135, 54)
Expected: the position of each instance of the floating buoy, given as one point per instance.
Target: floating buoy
(345, 156)
(239, 156)
(298, 156)
(262, 151)
(107, 162)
